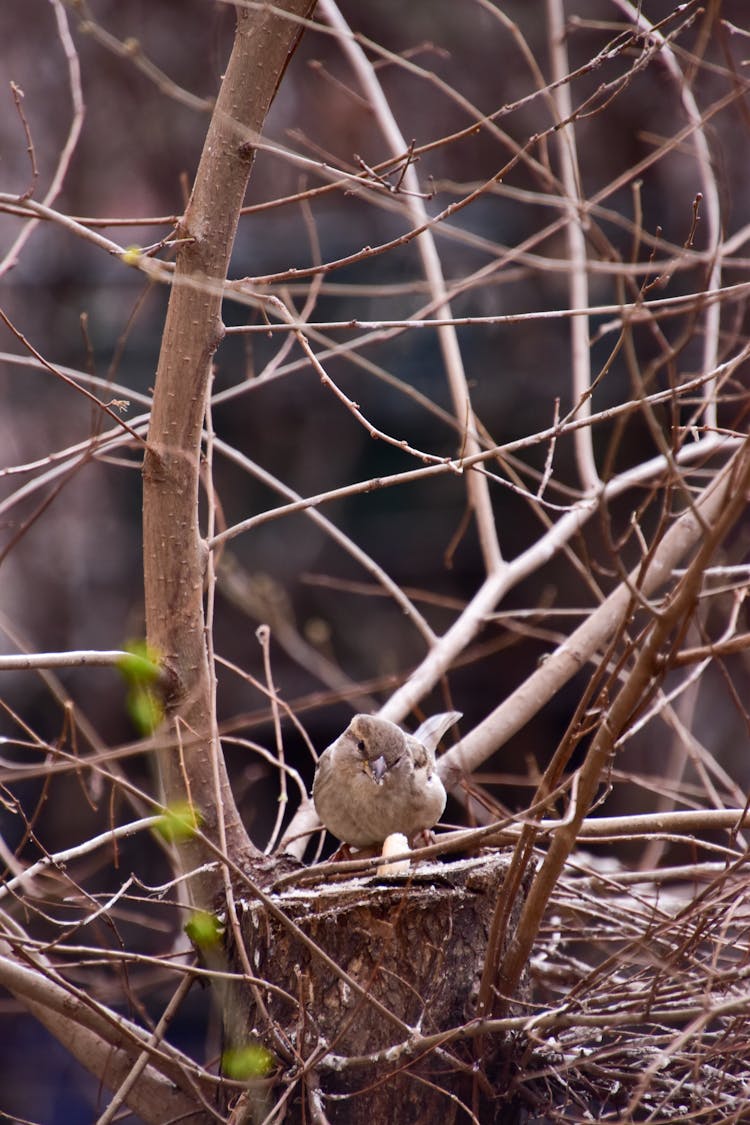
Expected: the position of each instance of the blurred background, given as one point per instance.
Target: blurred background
(72, 575)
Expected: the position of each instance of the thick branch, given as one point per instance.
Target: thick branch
(107, 1046)
(173, 550)
(570, 656)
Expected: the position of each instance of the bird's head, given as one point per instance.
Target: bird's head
(379, 744)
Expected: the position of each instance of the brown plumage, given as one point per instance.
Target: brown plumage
(375, 780)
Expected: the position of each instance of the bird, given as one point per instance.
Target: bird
(376, 780)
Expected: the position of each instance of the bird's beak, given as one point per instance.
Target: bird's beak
(377, 768)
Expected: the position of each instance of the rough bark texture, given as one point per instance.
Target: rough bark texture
(174, 558)
(416, 944)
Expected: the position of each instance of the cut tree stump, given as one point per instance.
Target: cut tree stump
(415, 944)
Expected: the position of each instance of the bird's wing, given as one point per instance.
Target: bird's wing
(323, 771)
(432, 730)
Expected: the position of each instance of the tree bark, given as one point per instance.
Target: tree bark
(192, 767)
(403, 956)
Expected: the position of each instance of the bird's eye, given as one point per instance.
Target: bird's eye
(361, 745)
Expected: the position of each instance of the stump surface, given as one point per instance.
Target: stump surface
(416, 944)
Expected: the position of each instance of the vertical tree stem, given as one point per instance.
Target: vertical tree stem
(174, 554)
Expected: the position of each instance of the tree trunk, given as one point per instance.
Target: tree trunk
(191, 765)
(404, 957)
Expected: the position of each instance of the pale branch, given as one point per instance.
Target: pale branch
(495, 587)
(578, 289)
(105, 1044)
(680, 259)
(550, 1019)
(11, 257)
(114, 439)
(117, 832)
(442, 465)
(516, 253)
(74, 658)
(623, 1017)
(569, 657)
(37, 211)
(103, 406)
(710, 192)
(296, 502)
(521, 152)
(704, 526)
(124, 394)
(477, 486)
(561, 665)
(632, 311)
(260, 598)
(375, 433)
(681, 825)
(131, 51)
(111, 440)
(124, 1090)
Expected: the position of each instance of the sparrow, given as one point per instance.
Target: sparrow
(375, 780)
